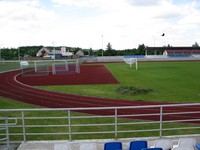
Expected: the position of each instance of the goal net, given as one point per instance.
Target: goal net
(66, 67)
(130, 61)
(60, 67)
(43, 67)
(35, 69)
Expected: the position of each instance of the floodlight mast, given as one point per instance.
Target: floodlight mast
(154, 39)
(18, 54)
(0, 52)
(102, 44)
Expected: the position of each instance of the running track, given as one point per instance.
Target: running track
(12, 88)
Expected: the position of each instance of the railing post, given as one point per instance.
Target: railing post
(69, 125)
(7, 133)
(116, 122)
(4, 126)
(23, 126)
(161, 120)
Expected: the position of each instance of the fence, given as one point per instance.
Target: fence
(102, 122)
(4, 138)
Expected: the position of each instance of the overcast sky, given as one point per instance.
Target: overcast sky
(94, 23)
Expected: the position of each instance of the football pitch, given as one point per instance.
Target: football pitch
(169, 81)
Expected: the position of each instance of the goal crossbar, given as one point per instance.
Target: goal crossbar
(130, 61)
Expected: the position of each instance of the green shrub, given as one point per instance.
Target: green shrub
(131, 90)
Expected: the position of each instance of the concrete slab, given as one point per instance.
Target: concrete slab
(75, 145)
(67, 145)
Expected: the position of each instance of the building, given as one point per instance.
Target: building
(43, 52)
(47, 53)
(173, 51)
(79, 54)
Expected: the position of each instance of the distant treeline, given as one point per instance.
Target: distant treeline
(31, 51)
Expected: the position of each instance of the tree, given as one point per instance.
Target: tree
(140, 50)
(109, 46)
(76, 49)
(88, 52)
(29, 50)
(98, 52)
(195, 44)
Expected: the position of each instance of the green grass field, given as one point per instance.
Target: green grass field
(170, 81)
(5, 66)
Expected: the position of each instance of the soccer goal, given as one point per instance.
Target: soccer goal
(41, 66)
(65, 67)
(35, 68)
(60, 67)
(24, 64)
(74, 66)
(130, 61)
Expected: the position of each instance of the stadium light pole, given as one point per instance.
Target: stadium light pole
(18, 54)
(102, 44)
(0, 52)
(154, 41)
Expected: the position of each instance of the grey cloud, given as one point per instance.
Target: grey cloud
(169, 15)
(144, 2)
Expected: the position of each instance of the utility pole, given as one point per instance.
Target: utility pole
(0, 52)
(18, 54)
(102, 44)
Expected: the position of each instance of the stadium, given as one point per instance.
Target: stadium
(78, 103)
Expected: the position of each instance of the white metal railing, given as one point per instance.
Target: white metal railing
(103, 122)
(4, 140)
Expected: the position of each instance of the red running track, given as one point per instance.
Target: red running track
(11, 86)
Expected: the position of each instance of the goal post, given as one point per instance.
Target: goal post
(44, 67)
(35, 69)
(130, 61)
(66, 67)
(41, 66)
(60, 67)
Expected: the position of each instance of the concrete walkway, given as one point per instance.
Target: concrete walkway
(75, 145)
(68, 145)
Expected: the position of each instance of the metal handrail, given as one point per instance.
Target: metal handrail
(99, 108)
(29, 123)
(5, 138)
